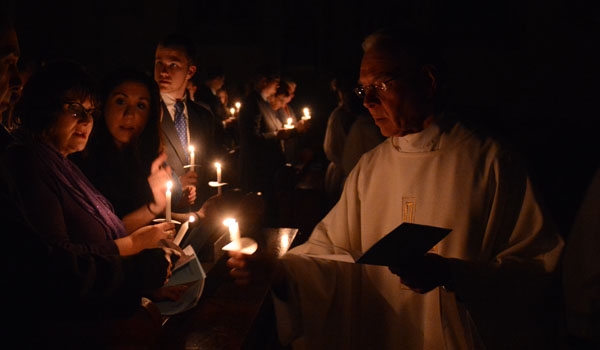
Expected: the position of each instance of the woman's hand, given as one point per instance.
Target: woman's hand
(146, 237)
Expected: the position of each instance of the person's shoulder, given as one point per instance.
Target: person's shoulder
(199, 108)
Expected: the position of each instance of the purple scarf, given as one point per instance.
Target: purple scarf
(85, 194)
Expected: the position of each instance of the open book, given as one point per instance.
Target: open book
(406, 241)
(187, 270)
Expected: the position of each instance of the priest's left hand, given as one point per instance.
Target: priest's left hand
(425, 273)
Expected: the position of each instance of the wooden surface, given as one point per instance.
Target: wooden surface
(229, 316)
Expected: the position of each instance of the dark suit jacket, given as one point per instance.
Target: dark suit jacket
(206, 136)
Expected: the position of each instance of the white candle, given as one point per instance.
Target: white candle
(192, 155)
(218, 166)
(168, 209)
(306, 115)
(238, 105)
(288, 125)
(232, 111)
(234, 230)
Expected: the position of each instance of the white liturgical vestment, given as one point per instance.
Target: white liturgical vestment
(503, 247)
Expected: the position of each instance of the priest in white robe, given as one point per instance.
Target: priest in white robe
(483, 286)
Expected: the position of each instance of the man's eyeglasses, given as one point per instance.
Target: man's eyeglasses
(80, 113)
(378, 86)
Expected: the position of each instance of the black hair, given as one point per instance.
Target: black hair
(181, 41)
(149, 144)
(45, 93)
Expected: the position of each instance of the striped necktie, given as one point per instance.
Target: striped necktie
(181, 125)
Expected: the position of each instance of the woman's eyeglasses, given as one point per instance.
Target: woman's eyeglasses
(80, 113)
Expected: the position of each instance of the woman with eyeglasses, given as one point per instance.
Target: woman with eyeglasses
(56, 114)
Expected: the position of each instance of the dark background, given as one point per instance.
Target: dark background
(527, 70)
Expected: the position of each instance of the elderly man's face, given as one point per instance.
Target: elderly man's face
(10, 81)
(393, 94)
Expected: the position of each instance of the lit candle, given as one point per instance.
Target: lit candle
(192, 155)
(232, 111)
(306, 115)
(288, 125)
(168, 209)
(234, 231)
(218, 166)
(238, 105)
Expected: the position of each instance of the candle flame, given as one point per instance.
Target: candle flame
(169, 185)
(191, 148)
(229, 221)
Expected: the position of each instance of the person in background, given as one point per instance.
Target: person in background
(98, 294)
(224, 97)
(184, 122)
(212, 81)
(483, 286)
(261, 157)
(350, 132)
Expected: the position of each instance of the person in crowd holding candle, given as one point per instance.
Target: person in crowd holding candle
(75, 299)
(184, 122)
(262, 134)
(484, 286)
(284, 112)
(124, 158)
(341, 150)
(57, 111)
(212, 80)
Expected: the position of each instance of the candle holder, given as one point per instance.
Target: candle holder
(245, 245)
(189, 166)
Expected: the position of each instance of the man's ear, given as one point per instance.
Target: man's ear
(191, 71)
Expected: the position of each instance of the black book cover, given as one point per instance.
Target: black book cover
(403, 243)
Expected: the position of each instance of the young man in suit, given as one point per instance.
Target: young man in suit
(174, 66)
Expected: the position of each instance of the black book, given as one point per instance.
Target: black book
(406, 241)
